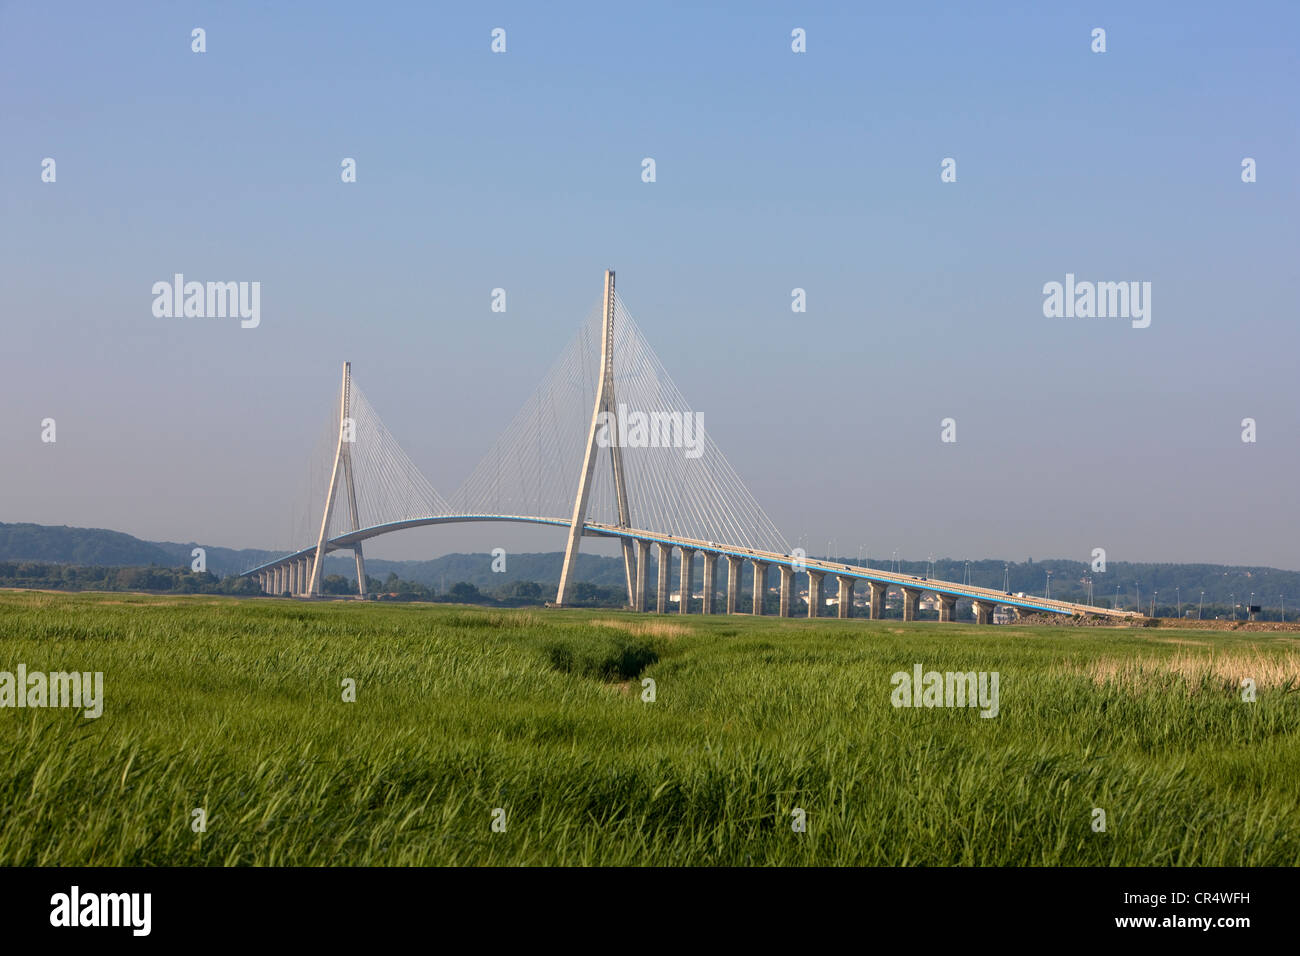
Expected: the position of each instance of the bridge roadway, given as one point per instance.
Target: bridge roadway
(290, 572)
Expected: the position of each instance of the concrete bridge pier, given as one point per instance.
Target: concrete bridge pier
(687, 579)
(845, 605)
(760, 585)
(642, 559)
(787, 590)
(710, 581)
(359, 560)
(947, 607)
(815, 591)
(878, 591)
(665, 565)
(911, 598)
(304, 577)
(734, 565)
(984, 612)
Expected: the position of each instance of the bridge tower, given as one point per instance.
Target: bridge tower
(342, 472)
(605, 403)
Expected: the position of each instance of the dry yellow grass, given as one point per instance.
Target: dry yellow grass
(1225, 669)
(665, 629)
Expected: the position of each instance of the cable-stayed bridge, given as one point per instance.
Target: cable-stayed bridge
(605, 447)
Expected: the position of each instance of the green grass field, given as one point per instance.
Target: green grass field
(237, 707)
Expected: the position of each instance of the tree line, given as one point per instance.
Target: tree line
(66, 577)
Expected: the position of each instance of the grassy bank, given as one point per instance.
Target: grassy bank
(237, 707)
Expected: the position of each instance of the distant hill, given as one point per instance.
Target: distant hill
(1173, 583)
(64, 545)
(99, 547)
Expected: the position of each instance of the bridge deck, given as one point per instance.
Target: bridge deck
(935, 586)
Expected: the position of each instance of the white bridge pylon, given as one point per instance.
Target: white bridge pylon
(606, 446)
(372, 483)
(606, 405)
(664, 471)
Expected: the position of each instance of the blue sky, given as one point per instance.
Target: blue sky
(775, 170)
